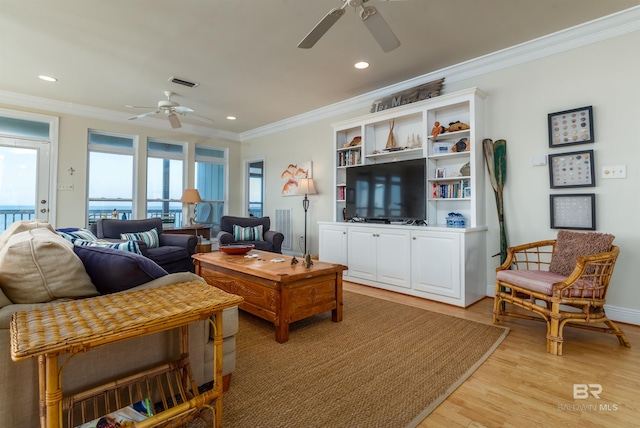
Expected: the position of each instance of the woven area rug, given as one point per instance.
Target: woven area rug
(385, 365)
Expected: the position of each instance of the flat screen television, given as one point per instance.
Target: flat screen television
(387, 192)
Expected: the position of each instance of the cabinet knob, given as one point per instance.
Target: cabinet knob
(414, 238)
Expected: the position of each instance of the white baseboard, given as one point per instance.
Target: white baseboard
(616, 313)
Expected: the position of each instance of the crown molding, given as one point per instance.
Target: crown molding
(608, 27)
(46, 104)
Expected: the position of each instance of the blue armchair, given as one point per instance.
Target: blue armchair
(173, 253)
(271, 240)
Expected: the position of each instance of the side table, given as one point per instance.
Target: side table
(71, 328)
(203, 247)
(203, 231)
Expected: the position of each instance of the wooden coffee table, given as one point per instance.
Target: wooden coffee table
(278, 292)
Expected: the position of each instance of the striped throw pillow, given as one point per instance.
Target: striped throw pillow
(251, 233)
(83, 234)
(150, 238)
(130, 246)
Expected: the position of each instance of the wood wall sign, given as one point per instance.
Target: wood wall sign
(428, 90)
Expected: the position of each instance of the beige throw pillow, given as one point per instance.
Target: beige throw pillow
(21, 226)
(38, 266)
(571, 245)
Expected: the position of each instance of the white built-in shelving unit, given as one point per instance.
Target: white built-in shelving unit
(432, 261)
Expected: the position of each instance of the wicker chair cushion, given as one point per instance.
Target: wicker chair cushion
(571, 245)
(39, 266)
(542, 282)
(114, 270)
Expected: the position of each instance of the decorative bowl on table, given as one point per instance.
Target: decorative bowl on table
(236, 249)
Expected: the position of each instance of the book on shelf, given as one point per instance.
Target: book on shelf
(451, 190)
(349, 158)
(124, 417)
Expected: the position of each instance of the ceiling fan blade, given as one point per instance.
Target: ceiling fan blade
(130, 106)
(322, 27)
(379, 29)
(174, 121)
(140, 116)
(182, 109)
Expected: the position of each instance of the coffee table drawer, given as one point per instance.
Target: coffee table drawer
(261, 297)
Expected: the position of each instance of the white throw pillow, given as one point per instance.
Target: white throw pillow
(38, 266)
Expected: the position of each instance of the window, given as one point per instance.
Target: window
(165, 172)
(24, 128)
(211, 167)
(111, 181)
(256, 188)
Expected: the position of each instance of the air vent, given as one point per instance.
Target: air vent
(182, 82)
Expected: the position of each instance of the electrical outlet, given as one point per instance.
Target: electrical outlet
(614, 171)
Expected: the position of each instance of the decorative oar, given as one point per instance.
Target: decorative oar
(495, 156)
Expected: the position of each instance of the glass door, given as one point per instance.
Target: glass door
(24, 180)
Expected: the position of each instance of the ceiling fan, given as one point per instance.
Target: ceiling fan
(171, 109)
(371, 18)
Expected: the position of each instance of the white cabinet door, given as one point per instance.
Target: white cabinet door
(436, 259)
(362, 258)
(333, 244)
(394, 257)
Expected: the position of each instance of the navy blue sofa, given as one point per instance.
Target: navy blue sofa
(174, 252)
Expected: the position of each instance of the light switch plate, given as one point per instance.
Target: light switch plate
(538, 160)
(614, 171)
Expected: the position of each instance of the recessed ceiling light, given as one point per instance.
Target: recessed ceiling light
(231, 117)
(47, 78)
(361, 65)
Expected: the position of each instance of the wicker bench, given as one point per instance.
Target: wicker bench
(78, 326)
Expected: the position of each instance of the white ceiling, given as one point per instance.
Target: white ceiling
(244, 53)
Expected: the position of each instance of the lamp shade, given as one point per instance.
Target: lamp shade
(306, 187)
(191, 196)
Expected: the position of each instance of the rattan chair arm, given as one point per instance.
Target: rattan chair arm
(512, 251)
(582, 264)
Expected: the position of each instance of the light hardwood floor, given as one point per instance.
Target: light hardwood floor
(521, 385)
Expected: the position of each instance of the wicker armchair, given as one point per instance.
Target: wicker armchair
(527, 280)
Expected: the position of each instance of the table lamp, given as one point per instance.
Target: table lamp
(190, 197)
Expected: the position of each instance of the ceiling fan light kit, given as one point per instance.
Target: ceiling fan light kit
(371, 18)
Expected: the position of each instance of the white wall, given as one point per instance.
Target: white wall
(604, 75)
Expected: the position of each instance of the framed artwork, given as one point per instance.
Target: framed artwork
(291, 174)
(571, 127)
(574, 169)
(575, 211)
(441, 172)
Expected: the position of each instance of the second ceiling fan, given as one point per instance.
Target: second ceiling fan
(171, 109)
(371, 18)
